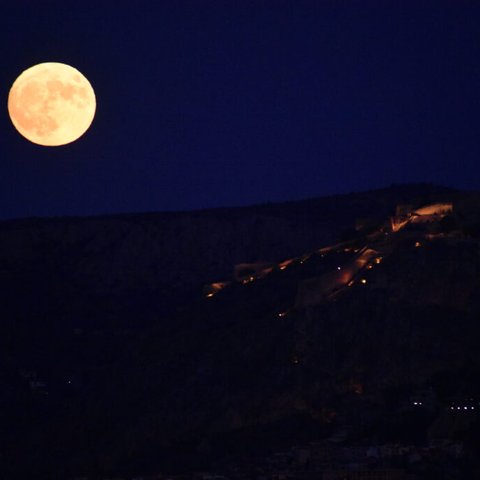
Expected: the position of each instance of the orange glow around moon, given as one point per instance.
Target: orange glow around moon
(51, 104)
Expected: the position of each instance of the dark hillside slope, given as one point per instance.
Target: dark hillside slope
(390, 314)
(81, 269)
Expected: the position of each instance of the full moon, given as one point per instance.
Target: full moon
(51, 104)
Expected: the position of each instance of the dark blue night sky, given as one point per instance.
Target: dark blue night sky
(220, 103)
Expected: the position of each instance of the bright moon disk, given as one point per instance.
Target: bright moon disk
(51, 104)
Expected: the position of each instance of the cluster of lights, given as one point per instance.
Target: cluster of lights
(363, 281)
(462, 408)
(248, 280)
(214, 288)
(283, 266)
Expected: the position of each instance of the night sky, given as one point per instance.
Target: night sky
(221, 103)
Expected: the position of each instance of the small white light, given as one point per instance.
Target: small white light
(338, 268)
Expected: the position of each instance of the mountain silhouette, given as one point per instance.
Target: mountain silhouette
(172, 340)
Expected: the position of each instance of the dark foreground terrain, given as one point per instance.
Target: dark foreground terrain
(345, 345)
